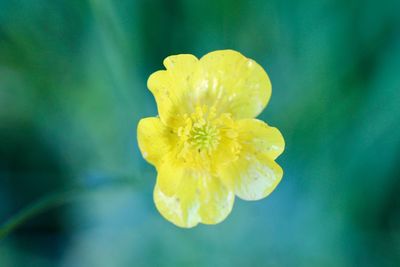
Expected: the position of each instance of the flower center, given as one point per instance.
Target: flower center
(204, 136)
(200, 132)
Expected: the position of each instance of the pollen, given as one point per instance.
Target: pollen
(200, 136)
(205, 136)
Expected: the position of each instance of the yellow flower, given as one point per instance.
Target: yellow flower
(206, 145)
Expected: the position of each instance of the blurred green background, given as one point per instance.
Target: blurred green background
(73, 88)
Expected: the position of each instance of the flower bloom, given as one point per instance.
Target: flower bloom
(206, 144)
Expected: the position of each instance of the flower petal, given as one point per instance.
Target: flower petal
(155, 140)
(182, 206)
(257, 137)
(223, 79)
(235, 84)
(215, 199)
(170, 87)
(254, 175)
(199, 197)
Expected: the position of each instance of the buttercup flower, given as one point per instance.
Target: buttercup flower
(206, 145)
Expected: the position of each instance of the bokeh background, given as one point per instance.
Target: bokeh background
(73, 88)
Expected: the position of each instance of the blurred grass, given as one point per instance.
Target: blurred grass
(73, 87)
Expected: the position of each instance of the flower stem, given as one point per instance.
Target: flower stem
(43, 204)
(48, 202)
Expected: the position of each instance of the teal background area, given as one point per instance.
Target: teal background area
(73, 88)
